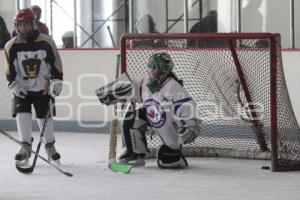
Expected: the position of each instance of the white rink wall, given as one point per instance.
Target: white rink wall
(87, 69)
(84, 71)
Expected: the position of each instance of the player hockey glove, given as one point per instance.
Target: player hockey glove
(17, 89)
(55, 87)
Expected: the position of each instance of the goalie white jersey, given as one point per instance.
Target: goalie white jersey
(169, 106)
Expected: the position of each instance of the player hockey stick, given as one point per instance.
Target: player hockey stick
(41, 157)
(112, 162)
(27, 170)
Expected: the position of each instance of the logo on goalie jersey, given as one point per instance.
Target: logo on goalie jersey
(155, 113)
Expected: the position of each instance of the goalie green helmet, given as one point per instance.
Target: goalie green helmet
(160, 65)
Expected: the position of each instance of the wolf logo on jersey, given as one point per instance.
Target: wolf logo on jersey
(31, 66)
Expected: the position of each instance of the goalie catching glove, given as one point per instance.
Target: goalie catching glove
(115, 91)
(17, 89)
(188, 130)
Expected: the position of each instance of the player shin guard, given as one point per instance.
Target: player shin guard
(24, 126)
(49, 139)
(49, 132)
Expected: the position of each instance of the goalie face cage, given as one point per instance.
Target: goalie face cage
(238, 83)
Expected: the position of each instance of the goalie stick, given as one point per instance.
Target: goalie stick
(41, 157)
(113, 165)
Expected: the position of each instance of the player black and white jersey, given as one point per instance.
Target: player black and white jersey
(32, 63)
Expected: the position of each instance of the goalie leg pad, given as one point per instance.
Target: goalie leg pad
(137, 133)
(168, 158)
(139, 144)
(132, 121)
(134, 138)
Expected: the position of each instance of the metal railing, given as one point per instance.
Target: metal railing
(127, 6)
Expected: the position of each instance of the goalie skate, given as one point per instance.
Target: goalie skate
(133, 159)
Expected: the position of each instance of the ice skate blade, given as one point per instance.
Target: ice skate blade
(134, 163)
(22, 162)
(56, 162)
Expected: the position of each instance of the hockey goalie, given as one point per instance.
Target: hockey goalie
(157, 103)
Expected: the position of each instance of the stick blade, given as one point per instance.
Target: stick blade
(68, 174)
(117, 167)
(25, 170)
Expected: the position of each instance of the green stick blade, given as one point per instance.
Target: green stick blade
(117, 167)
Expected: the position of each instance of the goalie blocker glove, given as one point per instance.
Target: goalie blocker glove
(17, 89)
(115, 91)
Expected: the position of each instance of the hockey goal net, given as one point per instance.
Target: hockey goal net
(238, 82)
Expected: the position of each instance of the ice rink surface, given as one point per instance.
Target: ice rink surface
(85, 155)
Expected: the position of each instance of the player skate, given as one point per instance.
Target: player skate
(22, 157)
(53, 155)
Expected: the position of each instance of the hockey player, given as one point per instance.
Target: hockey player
(40, 25)
(167, 109)
(34, 74)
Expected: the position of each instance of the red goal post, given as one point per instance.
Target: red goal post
(238, 82)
